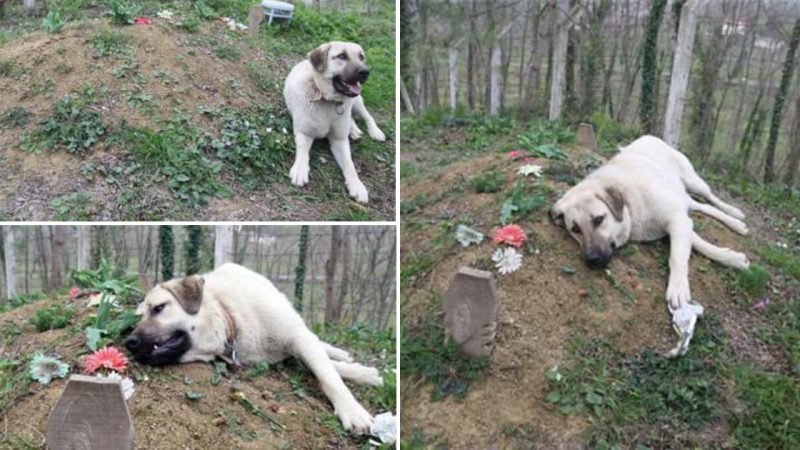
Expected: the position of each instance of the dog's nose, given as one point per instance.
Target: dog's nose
(363, 74)
(132, 343)
(596, 260)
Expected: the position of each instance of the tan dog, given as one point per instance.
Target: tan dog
(238, 315)
(323, 93)
(643, 194)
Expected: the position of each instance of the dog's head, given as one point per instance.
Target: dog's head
(595, 216)
(343, 64)
(169, 319)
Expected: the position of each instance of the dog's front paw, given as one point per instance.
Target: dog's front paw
(299, 174)
(678, 294)
(358, 191)
(739, 260)
(356, 133)
(376, 134)
(740, 227)
(355, 418)
(372, 377)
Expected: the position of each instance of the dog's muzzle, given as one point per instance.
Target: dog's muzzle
(157, 352)
(598, 260)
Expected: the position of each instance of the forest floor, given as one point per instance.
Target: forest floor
(181, 119)
(578, 360)
(189, 405)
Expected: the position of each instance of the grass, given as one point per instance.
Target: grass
(489, 182)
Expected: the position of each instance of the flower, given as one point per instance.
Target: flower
(44, 368)
(126, 383)
(467, 236)
(530, 169)
(510, 234)
(105, 358)
(762, 305)
(516, 154)
(507, 260)
(142, 21)
(165, 14)
(74, 292)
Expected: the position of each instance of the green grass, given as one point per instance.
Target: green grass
(488, 182)
(772, 410)
(110, 43)
(753, 281)
(786, 260)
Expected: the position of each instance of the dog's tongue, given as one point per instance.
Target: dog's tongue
(355, 88)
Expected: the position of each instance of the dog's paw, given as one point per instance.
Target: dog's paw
(740, 227)
(678, 294)
(356, 133)
(738, 260)
(358, 191)
(376, 134)
(371, 377)
(736, 212)
(299, 174)
(355, 418)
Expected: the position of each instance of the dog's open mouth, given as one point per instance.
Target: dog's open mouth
(350, 89)
(168, 351)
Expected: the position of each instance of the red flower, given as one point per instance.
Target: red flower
(510, 234)
(143, 21)
(516, 154)
(74, 292)
(105, 358)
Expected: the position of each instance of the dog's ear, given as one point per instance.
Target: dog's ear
(319, 57)
(557, 215)
(188, 292)
(615, 200)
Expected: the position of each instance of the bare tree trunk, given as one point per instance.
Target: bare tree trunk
(344, 280)
(41, 249)
(794, 148)
(559, 65)
(332, 306)
(84, 246)
(223, 238)
(26, 257)
(453, 73)
(494, 78)
(681, 67)
(10, 261)
(58, 237)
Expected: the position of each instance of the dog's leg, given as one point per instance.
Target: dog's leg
(309, 349)
(355, 132)
(730, 222)
(300, 169)
(372, 128)
(696, 185)
(722, 255)
(341, 151)
(336, 353)
(680, 250)
(358, 373)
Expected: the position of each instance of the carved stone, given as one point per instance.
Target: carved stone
(470, 308)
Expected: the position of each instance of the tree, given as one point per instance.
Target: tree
(193, 245)
(649, 97)
(223, 239)
(780, 100)
(344, 280)
(300, 271)
(167, 246)
(559, 64)
(58, 238)
(793, 159)
(332, 303)
(681, 67)
(84, 246)
(10, 261)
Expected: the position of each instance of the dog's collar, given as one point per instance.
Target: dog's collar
(318, 97)
(231, 355)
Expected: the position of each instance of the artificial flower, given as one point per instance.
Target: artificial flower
(516, 154)
(74, 292)
(143, 21)
(510, 234)
(96, 299)
(105, 358)
(466, 236)
(125, 382)
(44, 368)
(530, 169)
(507, 260)
(165, 14)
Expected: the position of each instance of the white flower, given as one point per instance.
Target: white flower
(165, 14)
(530, 169)
(269, 129)
(126, 383)
(466, 236)
(507, 261)
(44, 368)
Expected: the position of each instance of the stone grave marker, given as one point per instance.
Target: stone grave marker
(90, 415)
(470, 308)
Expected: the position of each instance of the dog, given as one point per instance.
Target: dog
(643, 194)
(238, 315)
(323, 94)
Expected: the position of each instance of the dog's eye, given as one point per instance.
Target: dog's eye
(361, 56)
(576, 229)
(342, 56)
(597, 221)
(159, 308)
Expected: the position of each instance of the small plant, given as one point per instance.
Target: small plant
(228, 52)
(754, 280)
(107, 279)
(52, 22)
(489, 182)
(72, 125)
(15, 117)
(6, 67)
(53, 317)
(190, 24)
(109, 43)
(122, 12)
(257, 370)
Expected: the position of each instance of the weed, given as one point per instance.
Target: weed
(53, 317)
(489, 182)
(72, 124)
(72, 206)
(228, 52)
(122, 12)
(784, 259)
(753, 281)
(190, 24)
(6, 67)
(257, 370)
(52, 22)
(20, 300)
(771, 418)
(15, 117)
(109, 43)
(413, 266)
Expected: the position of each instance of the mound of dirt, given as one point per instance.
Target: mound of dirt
(163, 416)
(551, 300)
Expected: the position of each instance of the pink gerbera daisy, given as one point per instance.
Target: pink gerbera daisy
(74, 292)
(516, 154)
(510, 234)
(105, 358)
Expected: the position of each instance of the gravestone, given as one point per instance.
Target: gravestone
(90, 415)
(586, 136)
(470, 308)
